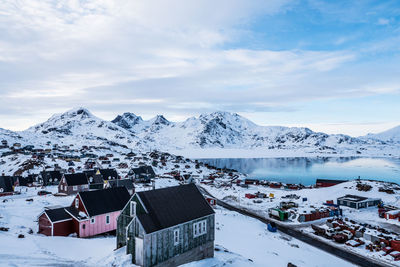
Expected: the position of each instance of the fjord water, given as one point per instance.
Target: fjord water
(306, 170)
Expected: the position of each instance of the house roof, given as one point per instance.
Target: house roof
(128, 183)
(109, 174)
(52, 174)
(76, 179)
(6, 183)
(105, 200)
(355, 198)
(330, 181)
(75, 213)
(97, 179)
(58, 214)
(172, 206)
(143, 170)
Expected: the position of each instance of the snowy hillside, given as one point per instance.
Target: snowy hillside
(390, 136)
(221, 131)
(80, 127)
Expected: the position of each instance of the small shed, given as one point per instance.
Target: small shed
(358, 202)
(55, 222)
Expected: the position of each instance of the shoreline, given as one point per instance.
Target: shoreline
(228, 153)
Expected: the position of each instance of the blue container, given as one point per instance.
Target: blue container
(272, 227)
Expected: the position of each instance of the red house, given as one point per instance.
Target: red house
(328, 182)
(73, 183)
(91, 213)
(55, 222)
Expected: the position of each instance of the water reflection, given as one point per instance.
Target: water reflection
(307, 170)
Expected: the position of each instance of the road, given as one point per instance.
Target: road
(298, 234)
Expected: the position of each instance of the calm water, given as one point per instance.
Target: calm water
(307, 170)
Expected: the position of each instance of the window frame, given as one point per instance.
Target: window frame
(75, 187)
(133, 208)
(108, 218)
(93, 220)
(77, 203)
(200, 228)
(176, 237)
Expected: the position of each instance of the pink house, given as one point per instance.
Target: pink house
(95, 212)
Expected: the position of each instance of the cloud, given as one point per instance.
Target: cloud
(173, 57)
(383, 21)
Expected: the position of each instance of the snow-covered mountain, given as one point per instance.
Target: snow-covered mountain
(216, 130)
(230, 130)
(80, 127)
(389, 136)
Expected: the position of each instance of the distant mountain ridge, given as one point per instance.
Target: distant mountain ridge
(216, 130)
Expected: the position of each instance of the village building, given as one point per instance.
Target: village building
(6, 185)
(328, 182)
(95, 180)
(358, 202)
(169, 226)
(127, 183)
(55, 222)
(108, 174)
(50, 177)
(142, 174)
(73, 183)
(91, 213)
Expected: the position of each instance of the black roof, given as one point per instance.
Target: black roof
(76, 179)
(6, 183)
(143, 170)
(24, 181)
(353, 198)
(171, 206)
(107, 173)
(58, 214)
(97, 179)
(75, 212)
(52, 174)
(105, 200)
(330, 181)
(128, 183)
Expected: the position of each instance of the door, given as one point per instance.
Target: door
(138, 251)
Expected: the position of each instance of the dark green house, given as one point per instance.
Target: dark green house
(167, 227)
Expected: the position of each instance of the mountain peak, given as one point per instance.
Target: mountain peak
(127, 120)
(160, 119)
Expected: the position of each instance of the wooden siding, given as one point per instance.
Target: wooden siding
(159, 246)
(44, 225)
(124, 219)
(99, 226)
(70, 189)
(63, 228)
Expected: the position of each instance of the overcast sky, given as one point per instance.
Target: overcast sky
(333, 66)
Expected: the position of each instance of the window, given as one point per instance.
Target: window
(199, 228)
(133, 208)
(75, 187)
(85, 186)
(108, 219)
(83, 226)
(76, 202)
(92, 220)
(176, 237)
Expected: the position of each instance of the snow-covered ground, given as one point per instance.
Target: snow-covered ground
(241, 241)
(315, 197)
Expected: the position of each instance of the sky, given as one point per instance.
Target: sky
(332, 66)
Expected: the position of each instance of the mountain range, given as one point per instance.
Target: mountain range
(216, 130)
